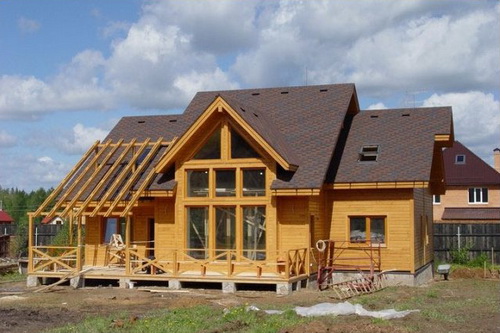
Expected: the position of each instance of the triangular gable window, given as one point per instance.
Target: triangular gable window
(240, 147)
(211, 149)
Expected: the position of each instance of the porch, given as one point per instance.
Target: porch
(170, 265)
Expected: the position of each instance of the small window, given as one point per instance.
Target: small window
(369, 153)
(478, 195)
(211, 149)
(436, 199)
(363, 229)
(197, 183)
(459, 159)
(254, 183)
(225, 183)
(240, 148)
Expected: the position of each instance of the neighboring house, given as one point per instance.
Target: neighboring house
(52, 220)
(5, 218)
(471, 205)
(242, 185)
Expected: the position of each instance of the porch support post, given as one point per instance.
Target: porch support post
(30, 242)
(71, 228)
(127, 245)
(79, 243)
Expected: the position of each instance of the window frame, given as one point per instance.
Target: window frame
(369, 153)
(479, 195)
(458, 157)
(119, 228)
(436, 199)
(368, 226)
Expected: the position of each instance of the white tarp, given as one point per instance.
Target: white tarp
(338, 309)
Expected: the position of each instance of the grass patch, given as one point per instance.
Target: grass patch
(12, 277)
(205, 319)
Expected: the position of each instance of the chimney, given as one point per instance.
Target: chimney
(496, 158)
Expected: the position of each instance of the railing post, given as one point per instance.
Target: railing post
(175, 270)
(127, 246)
(287, 264)
(79, 260)
(30, 243)
(229, 263)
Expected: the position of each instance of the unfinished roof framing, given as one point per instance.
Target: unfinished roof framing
(108, 180)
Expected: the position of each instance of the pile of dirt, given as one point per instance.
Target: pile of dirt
(474, 273)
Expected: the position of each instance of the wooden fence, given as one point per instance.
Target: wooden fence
(44, 233)
(481, 238)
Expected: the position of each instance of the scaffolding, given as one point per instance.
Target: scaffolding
(362, 259)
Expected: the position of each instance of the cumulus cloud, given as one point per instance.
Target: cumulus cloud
(26, 25)
(6, 140)
(82, 138)
(376, 106)
(476, 118)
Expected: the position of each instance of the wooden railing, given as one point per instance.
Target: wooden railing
(224, 263)
(46, 259)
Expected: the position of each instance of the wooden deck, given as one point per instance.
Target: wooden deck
(133, 264)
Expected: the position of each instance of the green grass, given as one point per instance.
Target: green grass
(188, 320)
(12, 277)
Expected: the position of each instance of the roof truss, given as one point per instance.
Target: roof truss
(106, 175)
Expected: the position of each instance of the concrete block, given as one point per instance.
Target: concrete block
(124, 283)
(174, 284)
(77, 282)
(32, 281)
(228, 287)
(283, 288)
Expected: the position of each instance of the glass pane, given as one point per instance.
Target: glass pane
(225, 183)
(471, 195)
(197, 183)
(240, 148)
(485, 194)
(197, 235)
(377, 230)
(254, 183)
(358, 229)
(110, 228)
(254, 233)
(225, 230)
(211, 149)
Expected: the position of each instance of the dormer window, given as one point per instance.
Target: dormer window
(369, 153)
(459, 159)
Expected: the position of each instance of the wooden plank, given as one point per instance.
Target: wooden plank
(110, 173)
(63, 183)
(76, 181)
(63, 279)
(144, 184)
(133, 178)
(90, 179)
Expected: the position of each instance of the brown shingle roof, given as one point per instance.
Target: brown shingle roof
(474, 171)
(300, 123)
(471, 214)
(406, 141)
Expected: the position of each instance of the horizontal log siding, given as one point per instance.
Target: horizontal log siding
(165, 228)
(293, 219)
(396, 205)
(95, 252)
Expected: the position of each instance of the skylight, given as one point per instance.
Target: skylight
(369, 153)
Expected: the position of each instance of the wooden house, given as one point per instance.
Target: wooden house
(468, 214)
(240, 188)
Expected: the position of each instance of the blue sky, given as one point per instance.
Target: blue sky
(70, 69)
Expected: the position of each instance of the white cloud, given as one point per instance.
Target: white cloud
(6, 140)
(376, 106)
(27, 25)
(476, 118)
(82, 138)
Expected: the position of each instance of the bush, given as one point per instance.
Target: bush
(460, 256)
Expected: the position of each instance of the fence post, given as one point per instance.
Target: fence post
(458, 234)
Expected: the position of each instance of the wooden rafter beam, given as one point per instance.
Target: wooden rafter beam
(84, 186)
(133, 178)
(65, 181)
(119, 178)
(78, 179)
(144, 184)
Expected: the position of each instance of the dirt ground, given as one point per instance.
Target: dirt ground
(22, 310)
